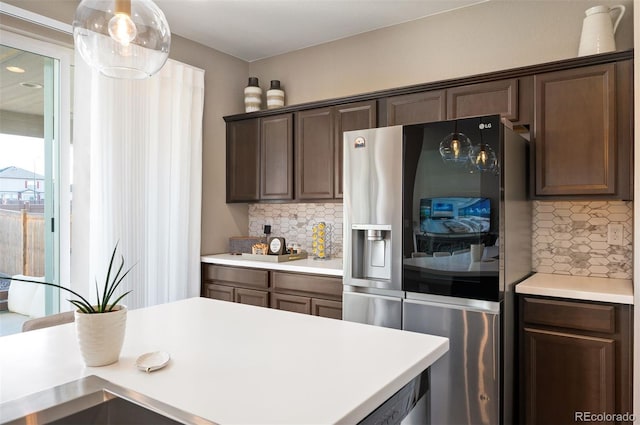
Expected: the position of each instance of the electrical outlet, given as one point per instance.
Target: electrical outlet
(614, 234)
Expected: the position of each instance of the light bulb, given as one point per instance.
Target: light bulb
(122, 29)
(455, 147)
(482, 157)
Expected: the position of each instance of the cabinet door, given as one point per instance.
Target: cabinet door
(575, 131)
(353, 116)
(243, 160)
(494, 97)
(251, 297)
(291, 303)
(415, 108)
(219, 292)
(326, 308)
(276, 157)
(566, 373)
(314, 146)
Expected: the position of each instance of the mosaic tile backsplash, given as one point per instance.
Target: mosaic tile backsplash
(571, 238)
(568, 237)
(294, 222)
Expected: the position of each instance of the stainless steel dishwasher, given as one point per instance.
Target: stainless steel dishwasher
(465, 382)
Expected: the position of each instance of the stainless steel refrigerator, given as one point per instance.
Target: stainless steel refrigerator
(437, 231)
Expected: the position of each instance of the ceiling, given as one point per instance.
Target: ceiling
(246, 29)
(257, 29)
(21, 92)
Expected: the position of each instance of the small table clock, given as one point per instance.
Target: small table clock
(277, 246)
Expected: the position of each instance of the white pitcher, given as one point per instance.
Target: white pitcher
(598, 31)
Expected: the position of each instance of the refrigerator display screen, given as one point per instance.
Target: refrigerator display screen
(455, 215)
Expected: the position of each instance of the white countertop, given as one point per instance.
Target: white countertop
(578, 287)
(331, 267)
(234, 363)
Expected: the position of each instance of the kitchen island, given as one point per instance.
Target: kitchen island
(234, 363)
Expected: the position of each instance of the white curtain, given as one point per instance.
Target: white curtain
(138, 181)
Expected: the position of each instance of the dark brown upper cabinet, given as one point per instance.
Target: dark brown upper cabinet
(318, 147)
(495, 97)
(260, 159)
(582, 132)
(314, 147)
(353, 116)
(276, 157)
(510, 98)
(577, 113)
(415, 108)
(243, 160)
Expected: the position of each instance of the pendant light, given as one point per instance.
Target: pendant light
(454, 148)
(122, 38)
(483, 157)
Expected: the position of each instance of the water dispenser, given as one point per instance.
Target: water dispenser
(371, 252)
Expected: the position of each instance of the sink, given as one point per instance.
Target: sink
(92, 400)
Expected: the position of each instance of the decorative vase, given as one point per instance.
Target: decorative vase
(100, 335)
(598, 30)
(252, 96)
(275, 95)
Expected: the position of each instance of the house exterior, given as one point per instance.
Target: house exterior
(20, 185)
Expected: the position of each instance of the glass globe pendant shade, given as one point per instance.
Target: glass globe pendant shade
(454, 149)
(483, 158)
(122, 38)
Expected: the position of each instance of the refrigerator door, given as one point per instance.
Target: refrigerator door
(465, 382)
(373, 208)
(372, 309)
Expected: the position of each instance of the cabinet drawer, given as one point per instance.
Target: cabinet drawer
(311, 285)
(570, 315)
(238, 276)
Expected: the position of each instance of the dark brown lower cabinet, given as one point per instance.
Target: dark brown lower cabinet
(575, 360)
(309, 294)
(326, 308)
(251, 296)
(297, 292)
(218, 292)
(236, 284)
(291, 303)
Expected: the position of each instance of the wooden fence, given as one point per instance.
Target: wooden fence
(22, 246)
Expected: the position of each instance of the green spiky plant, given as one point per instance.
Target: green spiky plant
(103, 304)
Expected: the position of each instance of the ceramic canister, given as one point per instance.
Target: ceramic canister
(252, 96)
(275, 95)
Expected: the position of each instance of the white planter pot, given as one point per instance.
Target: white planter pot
(100, 335)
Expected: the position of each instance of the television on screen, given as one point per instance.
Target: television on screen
(455, 215)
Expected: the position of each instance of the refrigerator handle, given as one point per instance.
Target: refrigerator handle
(496, 346)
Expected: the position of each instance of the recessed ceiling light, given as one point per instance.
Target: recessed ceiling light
(31, 85)
(15, 69)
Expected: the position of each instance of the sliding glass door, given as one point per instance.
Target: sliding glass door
(35, 166)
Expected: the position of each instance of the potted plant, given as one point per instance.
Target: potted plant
(100, 327)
